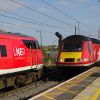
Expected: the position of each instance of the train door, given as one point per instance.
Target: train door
(38, 55)
(31, 53)
(90, 50)
(87, 50)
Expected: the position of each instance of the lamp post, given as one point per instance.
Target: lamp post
(99, 34)
(40, 37)
(78, 27)
(75, 30)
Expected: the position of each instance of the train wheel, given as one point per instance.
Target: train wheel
(5, 82)
(40, 73)
(19, 81)
(16, 85)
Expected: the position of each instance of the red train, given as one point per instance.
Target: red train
(20, 57)
(78, 50)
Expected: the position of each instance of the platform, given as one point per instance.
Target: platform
(85, 86)
(92, 92)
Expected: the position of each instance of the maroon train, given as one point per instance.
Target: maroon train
(20, 58)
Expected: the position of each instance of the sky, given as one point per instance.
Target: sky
(32, 17)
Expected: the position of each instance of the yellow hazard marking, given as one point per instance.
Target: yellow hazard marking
(54, 93)
(88, 80)
(66, 90)
(76, 84)
(83, 80)
(49, 97)
(95, 96)
(72, 92)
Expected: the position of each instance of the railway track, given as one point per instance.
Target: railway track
(52, 77)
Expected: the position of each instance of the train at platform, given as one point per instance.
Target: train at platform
(21, 59)
(77, 51)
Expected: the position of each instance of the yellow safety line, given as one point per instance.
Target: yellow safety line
(92, 98)
(67, 90)
(53, 93)
(95, 96)
(80, 99)
(76, 84)
(88, 80)
(84, 80)
(72, 92)
(48, 97)
(75, 92)
(81, 85)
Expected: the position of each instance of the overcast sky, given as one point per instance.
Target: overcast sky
(32, 16)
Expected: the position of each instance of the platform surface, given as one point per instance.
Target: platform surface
(88, 89)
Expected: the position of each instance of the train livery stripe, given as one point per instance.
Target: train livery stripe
(77, 65)
(13, 70)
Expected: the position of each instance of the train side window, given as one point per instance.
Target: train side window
(3, 51)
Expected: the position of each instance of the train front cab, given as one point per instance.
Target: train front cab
(75, 52)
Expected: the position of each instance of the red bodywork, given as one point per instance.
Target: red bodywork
(15, 56)
(90, 54)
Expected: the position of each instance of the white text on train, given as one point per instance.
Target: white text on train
(19, 51)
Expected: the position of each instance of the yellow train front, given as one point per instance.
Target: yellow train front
(77, 50)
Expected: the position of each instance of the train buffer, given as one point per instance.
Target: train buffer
(85, 86)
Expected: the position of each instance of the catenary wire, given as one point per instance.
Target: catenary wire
(51, 17)
(37, 22)
(57, 9)
(28, 27)
(28, 21)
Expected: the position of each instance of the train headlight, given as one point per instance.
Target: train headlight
(60, 60)
(83, 59)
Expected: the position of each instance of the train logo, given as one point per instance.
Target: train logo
(19, 51)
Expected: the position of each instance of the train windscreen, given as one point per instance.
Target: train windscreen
(70, 47)
(32, 44)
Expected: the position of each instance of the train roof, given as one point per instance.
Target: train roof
(10, 35)
(81, 38)
(77, 37)
(95, 40)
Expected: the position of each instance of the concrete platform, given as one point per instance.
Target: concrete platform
(92, 92)
(87, 89)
